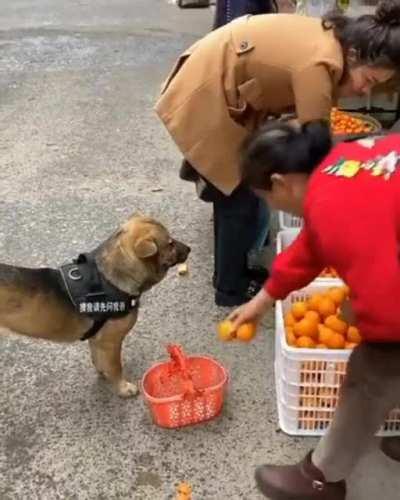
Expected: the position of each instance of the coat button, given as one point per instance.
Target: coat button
(244, 45)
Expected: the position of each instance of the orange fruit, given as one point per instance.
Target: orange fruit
(324, 334)
(290, 337)
(350, 345)
(299, 310)
(336, 324)
(326, 307)
(314, 301)
(225, 330)
(305, 343)
(246, 332)
(312, 316)
(321, 346)
(306, 328)
(289, 319)
(353, 335)
(184, 489)
(337, 294)
(336, 341)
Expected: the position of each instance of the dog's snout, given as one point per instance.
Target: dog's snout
(183, 251)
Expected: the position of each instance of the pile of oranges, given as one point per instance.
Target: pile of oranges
(344, 123)
(245, 332)
(316, 323)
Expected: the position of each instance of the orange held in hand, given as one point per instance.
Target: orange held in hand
(246, 332)
(226, 330)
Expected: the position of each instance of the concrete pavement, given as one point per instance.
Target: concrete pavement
(80, 150)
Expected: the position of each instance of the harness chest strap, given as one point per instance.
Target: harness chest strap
(92, 295)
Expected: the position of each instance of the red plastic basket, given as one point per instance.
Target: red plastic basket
(185, 390)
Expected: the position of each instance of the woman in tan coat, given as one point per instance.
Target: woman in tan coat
(258, 67)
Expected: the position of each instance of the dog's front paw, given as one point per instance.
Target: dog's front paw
(126, 389)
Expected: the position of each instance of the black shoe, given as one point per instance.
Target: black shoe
(253, 288)
(259, 274)
(231, 299)
(227, 299)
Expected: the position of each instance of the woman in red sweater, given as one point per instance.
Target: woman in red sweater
(349, 196)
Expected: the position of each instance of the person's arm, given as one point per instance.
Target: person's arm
(313, 92)
(365, 252)
(294, 268)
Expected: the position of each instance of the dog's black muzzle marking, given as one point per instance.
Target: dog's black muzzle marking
(94, 296)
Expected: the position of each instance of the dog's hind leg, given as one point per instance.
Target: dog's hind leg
(105, 348)
(94, 355)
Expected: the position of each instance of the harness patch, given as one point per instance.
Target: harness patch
(92, 295)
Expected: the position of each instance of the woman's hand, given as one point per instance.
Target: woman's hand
(253, 311)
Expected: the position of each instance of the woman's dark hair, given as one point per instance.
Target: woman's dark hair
(375, 39)
(281, 148)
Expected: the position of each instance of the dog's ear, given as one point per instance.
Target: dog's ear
(145, 248)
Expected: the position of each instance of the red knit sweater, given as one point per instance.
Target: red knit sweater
(352, 223)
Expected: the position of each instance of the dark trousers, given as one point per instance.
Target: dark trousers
(227, 10)
(239, 221)
(235, 232)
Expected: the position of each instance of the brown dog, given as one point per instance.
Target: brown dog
(94, 298)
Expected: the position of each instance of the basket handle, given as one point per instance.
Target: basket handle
(178, 358)
(179, 363)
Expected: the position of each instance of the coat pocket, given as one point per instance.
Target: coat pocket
(248, 100)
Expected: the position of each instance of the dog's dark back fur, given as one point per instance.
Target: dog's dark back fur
(32, 280)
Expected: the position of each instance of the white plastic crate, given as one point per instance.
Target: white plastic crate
(308, 381)
(285, 238)
(288, 221)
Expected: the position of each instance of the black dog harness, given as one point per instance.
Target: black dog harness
(92, 295)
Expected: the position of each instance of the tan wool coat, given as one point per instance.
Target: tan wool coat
(236, 77)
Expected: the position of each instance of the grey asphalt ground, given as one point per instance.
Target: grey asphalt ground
(80, 150)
